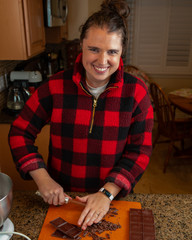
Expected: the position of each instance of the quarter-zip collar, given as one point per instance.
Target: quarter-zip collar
(79, 74)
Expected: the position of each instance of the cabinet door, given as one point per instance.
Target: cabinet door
(22, 29)
(35, 35)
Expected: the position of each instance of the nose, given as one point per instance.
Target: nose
(102, 59)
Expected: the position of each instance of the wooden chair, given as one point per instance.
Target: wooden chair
(169, 127)
(137, 73)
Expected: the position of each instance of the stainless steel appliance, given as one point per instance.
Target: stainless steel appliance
(6, 197)
(55, 12)
(23, 83)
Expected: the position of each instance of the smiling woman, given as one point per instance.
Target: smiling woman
(101, 55)
(100, 119)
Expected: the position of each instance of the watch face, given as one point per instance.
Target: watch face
(107, 193)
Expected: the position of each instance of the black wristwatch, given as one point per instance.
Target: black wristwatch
(107, 193)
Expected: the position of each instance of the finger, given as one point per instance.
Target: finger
(55, 200)
(61, 198)
(99, 217)
(88, 219)
(50, 199)
(83, 216)
(94, 217)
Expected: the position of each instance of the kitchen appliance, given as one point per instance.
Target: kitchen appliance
(6, 196)
(55, 12)
(23, 84)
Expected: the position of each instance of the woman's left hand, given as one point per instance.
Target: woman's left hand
(97, 205)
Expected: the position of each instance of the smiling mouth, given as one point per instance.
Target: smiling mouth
(100, 69)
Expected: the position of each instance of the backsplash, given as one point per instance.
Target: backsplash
(5, 67)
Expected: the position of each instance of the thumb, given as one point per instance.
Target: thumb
(82, 199)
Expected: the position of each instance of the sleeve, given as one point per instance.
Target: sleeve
(138, 149)
(23, 132)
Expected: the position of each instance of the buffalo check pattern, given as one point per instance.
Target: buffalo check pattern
(118, 147)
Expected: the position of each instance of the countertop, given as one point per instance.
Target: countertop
(172, 213)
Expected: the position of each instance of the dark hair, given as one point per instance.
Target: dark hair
(113, 15)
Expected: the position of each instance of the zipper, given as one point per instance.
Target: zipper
(93, 114)
(94, 105)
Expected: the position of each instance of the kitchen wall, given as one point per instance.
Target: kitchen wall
(79, 10)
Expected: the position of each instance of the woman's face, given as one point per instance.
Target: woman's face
(101, 55)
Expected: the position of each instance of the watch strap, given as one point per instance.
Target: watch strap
(107, 193)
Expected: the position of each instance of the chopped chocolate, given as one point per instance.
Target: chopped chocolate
(141, 224)
(101, 227)
(107, 235)
(68, 229)
(112, 211)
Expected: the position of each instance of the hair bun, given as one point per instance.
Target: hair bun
(118, 6)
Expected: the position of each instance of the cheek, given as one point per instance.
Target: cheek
(115, 62)
(87, 59)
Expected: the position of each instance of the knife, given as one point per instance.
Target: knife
(66, 201)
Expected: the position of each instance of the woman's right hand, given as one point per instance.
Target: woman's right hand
(50, 190)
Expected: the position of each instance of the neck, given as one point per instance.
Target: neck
(96, 84)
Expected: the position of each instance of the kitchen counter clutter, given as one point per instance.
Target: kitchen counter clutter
(172, 213)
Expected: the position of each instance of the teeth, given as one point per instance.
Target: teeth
(101, 69)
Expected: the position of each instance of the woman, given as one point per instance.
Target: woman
(100, 122)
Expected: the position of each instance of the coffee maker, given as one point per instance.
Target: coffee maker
(22, 85)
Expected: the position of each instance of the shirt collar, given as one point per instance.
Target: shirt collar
(79, 73)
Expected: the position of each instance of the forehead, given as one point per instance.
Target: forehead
(97, 35)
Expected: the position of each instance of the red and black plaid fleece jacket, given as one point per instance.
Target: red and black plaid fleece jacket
(91, 141)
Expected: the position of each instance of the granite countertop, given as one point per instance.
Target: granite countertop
(172, 213)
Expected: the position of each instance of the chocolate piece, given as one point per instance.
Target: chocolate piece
(59, 234)
(141, 224)
(68, 229)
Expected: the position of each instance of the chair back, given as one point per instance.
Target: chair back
(137, 73)
(163, 109)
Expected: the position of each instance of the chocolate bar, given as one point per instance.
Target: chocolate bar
(68, 229)
(141, 224)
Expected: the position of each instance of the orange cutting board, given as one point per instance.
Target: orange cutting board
(71, 212)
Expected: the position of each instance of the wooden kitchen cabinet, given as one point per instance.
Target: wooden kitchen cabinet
(7, 165)
(22, 29)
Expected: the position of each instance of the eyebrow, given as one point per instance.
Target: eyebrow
(116, 50)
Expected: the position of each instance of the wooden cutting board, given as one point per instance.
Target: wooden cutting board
(70, 212)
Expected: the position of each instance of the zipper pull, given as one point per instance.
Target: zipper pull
(95, 103)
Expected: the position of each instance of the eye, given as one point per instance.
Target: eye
(94, 49)
(113, 52)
